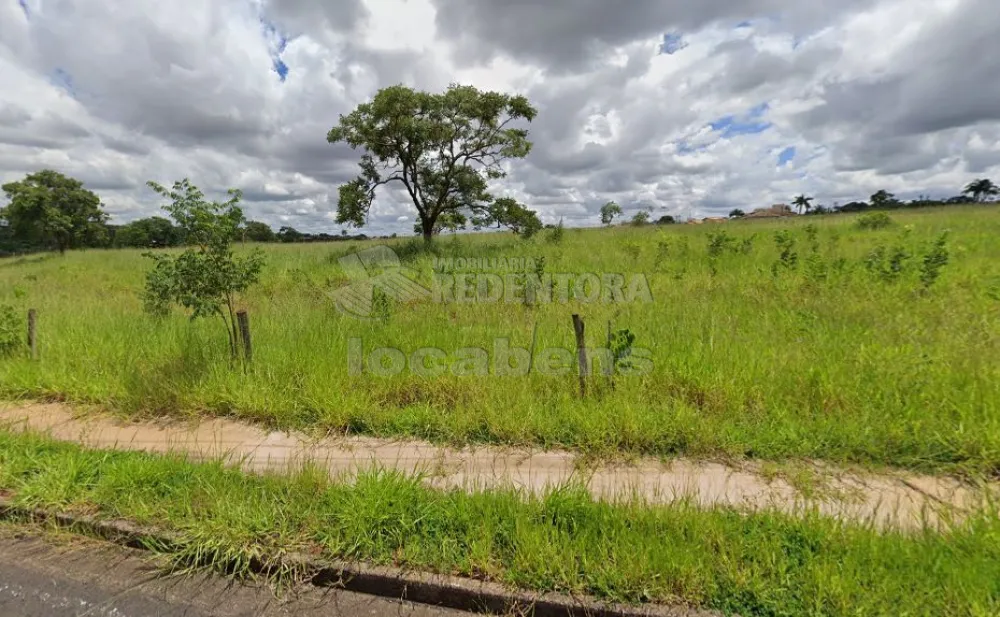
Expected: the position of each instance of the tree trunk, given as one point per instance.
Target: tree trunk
(427, 226)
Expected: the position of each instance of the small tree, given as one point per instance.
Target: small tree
(255, 231)
(207, 278)
(737, 214)
(443, 148)
(803, 203)
(51, 209)
(641, 218)
(609, 211)
(884, 199)
(666, 219)
(289, 234)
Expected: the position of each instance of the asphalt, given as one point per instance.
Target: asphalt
(45, 575)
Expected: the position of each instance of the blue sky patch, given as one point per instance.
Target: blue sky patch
(63, 80)
(786, 156)
(24, 7)
(672, 43)
(277, 64)
(749, 123)
(280, 68)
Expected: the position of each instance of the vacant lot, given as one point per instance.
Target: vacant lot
(810, 337)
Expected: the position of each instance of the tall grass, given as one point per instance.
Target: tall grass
(750, 564)
(825, 343)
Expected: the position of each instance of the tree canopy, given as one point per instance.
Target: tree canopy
(981, 189)
(54, 210)
(803, 203)
(609, 211)
(443, 149)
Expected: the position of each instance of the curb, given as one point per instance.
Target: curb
(422, 588)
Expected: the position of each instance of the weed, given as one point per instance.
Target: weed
(874, 221)
(934, 261)
(788, 258)
(556, 234)
(11, 331)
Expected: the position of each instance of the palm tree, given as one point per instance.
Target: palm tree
(802, 202)
(981, 189)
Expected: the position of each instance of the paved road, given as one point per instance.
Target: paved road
(56, 576)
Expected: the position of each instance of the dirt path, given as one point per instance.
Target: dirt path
(900, 500)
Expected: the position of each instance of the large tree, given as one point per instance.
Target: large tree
(981, 189)
(442, 148)
(50, 209)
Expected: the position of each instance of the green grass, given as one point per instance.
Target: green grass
(754, 565)
(824, 360)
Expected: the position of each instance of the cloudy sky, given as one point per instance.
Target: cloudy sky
(691, 108)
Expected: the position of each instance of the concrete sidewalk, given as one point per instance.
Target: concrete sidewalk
(888, 500)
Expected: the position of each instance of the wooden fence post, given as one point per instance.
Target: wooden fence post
(32, 333)
(244, 322)
(581, 354)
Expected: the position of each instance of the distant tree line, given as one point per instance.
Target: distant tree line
(982, 190)
(50, 211)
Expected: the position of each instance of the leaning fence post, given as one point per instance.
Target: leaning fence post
(581, 354)
(32, 333)
(244, 322)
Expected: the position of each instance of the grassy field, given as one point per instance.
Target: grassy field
(836, 352)
(760, 564)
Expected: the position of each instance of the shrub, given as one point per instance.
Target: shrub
(935, 259)
(874, 220)
(10, 331)
(556, 234)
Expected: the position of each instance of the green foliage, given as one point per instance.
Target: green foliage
(884, 199)
(556, 234)
(934, 261)
(641, 218)
(788, 258)
(153, 232)
(803, 203)
(720, 242)
(443, 148)
(888, 264)
(622, 343)
(609, 212)
(255, 231)
(631, 249)
(981, 189)
(50, 209)
(11, 331)
(507, 212)
(736, 213)
(874, 221)
(205, 279)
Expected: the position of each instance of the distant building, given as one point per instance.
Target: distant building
(777, 210)
(715, 219)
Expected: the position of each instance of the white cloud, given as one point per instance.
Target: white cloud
(895, 94)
